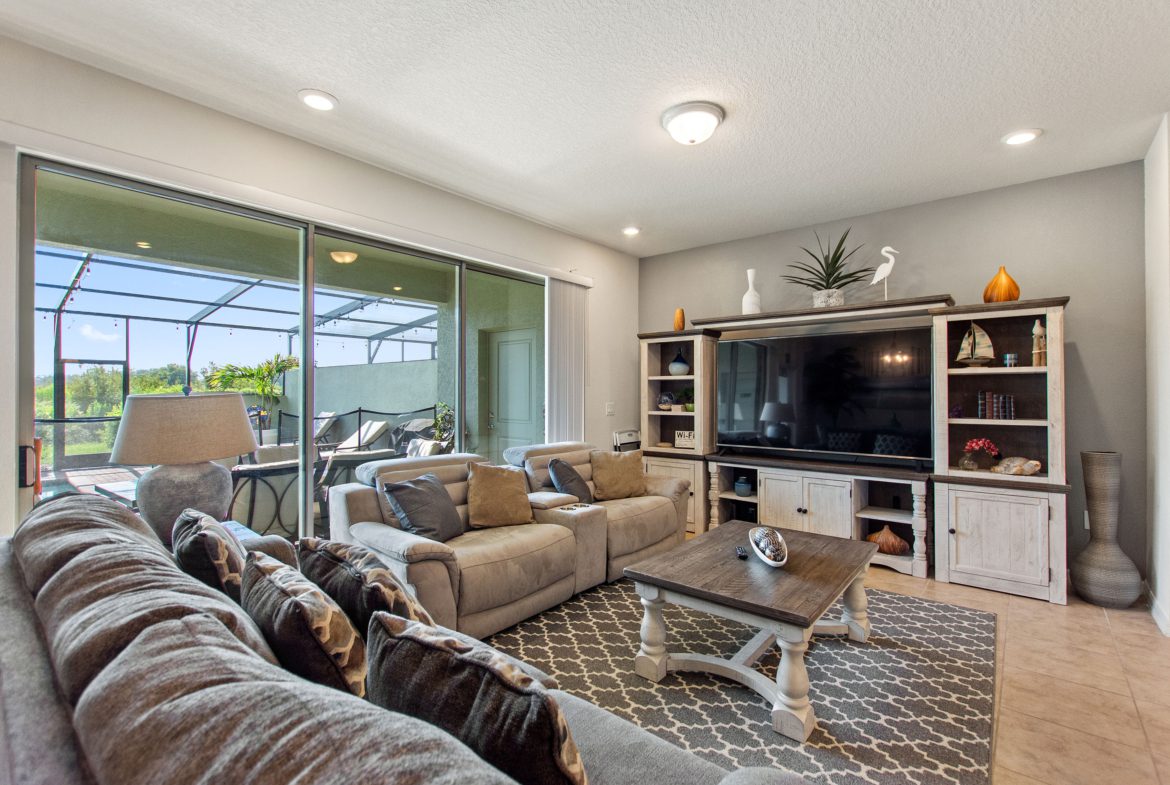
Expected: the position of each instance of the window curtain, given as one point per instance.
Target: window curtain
(565, 361)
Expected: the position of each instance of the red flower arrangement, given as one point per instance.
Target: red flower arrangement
(982, 445)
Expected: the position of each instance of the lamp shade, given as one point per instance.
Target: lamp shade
(774, 411)
(169, 430)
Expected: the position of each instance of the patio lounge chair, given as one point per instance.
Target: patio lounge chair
(364, 437)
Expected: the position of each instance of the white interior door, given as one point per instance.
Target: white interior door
(515, 411)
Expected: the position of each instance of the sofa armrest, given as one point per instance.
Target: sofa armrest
(588, 524)
(758, 775)
(547, 500)
(678, 491)
(428, 567)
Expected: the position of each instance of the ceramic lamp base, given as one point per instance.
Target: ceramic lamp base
(165, 491)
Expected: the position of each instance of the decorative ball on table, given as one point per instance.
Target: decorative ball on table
(768, 545)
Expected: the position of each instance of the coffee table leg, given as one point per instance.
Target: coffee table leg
(650, 662)
(792, 713)
(855, 617)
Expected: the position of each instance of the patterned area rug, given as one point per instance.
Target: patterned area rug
(912, 705)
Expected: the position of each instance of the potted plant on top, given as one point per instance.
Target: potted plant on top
(261, 380)
(829, 273)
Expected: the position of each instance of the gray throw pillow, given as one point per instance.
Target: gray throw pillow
(488, 702)
(424, 507)
(566, 479)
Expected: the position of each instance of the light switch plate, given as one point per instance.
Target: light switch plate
(610, 409)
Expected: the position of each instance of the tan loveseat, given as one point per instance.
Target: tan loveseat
(484, 580)
(636, 528)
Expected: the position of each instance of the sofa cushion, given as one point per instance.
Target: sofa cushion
(500, 565)
(617, 475)
(568, 480)
(59, 529)
(358, 581)
(638, 522)
(488, 703)
(309, 632)
(206, 551)
(497, 496)
(228, 717)
(423, 507)
(102, 599)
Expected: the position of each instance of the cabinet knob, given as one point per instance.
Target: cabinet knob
(952, 531)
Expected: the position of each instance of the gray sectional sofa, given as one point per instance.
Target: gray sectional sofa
(118, 668)
(486, 580)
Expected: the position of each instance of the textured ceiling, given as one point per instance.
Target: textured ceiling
(550, 108)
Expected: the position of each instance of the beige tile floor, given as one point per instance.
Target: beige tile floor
(1082, 693)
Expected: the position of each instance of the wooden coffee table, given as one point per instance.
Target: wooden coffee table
(784, 603)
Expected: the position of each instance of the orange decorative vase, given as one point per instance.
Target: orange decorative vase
(680, 320)
(1001, 289)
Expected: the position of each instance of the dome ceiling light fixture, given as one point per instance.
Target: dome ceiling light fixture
(1022, 136)
(631, 231)
(693, 122)
(317, 99)
(343, 257)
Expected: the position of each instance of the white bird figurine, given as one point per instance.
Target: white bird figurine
(883, 271)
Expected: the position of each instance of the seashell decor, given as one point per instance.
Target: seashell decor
(888, 542)
(768, 545)
(1017, 465)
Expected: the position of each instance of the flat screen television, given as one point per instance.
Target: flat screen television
(854, 397)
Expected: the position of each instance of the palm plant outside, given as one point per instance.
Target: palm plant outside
(262, 379)
(831, 266)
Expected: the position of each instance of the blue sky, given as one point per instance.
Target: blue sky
(154, 344)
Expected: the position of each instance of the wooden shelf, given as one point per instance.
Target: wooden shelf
(886, 514)
(671, 378)
(954, 471)
(899, 563)
(733, 496)
(654, 449)
(671, 414)
(990, 421)
(1019, 369)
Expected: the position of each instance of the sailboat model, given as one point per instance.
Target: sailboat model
(975, 348)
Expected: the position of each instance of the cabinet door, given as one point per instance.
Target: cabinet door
(781, 496)
(998, 537)
(829, 505)
(682, 470)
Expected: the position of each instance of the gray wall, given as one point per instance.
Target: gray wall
(1079, 235)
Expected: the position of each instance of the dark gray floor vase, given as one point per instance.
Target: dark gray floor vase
(912, 705)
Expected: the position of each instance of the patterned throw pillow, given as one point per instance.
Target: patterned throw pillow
(844, 441)
(310, 634)
(617, 475)
(358, 581)
(204, 549)
(566, 479)
(489, 702)
(497, 496)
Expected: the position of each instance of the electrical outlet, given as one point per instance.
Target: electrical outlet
(1086, 520)
(610, 409)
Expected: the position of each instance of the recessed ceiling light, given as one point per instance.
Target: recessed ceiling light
(318, 99)
(397, 288)
(692, 123)
(631, 231)
(142, 244)
(343, 257)
(1023, 136)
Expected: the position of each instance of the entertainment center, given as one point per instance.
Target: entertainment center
(847, 420)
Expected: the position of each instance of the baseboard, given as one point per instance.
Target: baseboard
(1158, 611)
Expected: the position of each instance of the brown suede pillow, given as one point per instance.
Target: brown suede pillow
(497, 496)
(617, 475)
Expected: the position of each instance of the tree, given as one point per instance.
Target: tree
(260, 379)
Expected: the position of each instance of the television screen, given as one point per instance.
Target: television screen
(842, 396)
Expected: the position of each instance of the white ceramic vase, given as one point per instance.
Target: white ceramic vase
(751, 298)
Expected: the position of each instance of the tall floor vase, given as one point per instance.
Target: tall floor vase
(1102, 573)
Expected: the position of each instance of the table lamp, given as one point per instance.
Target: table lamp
(774, 415)
(180, 435)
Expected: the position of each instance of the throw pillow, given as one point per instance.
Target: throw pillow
(358, 581)
(309, 633)
(497, 496)
(566, 479)
(424, 507)
(205, 550)
(617, 475)
(489, 703)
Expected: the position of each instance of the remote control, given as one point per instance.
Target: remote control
(741, 551)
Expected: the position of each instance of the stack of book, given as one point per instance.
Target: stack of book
(995, 406)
